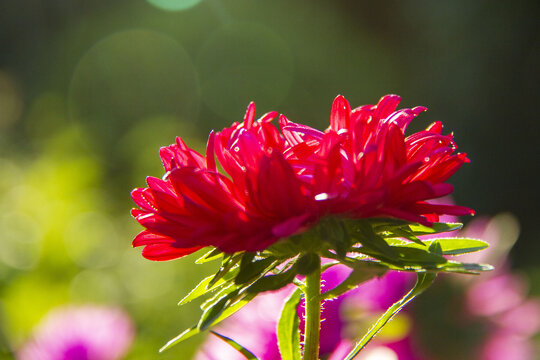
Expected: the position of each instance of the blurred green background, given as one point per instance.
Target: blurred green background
(89, 90)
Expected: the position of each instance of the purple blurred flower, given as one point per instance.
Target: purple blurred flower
(512, 330)
(80, 333)
(498, 300)
(502, 346)
(512, 317)
(495, 295)
(255, 326)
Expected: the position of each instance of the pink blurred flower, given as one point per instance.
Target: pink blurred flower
(254, 327)
(503, 346)
(495, 295)
(80, 333)
(522, 320)
(498, 301)
(513, 319)
(500, 297)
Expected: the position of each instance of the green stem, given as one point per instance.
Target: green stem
(313, 314)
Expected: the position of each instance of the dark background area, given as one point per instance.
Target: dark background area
(474, 64)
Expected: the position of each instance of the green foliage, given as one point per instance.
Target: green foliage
(242, 350)
(239, 279)
(250, 270)
(287, 329)
(210, 255)
(370, 247)
(194, 330)
(423, 282)
(272, 282)
(204, 286)
(228, 263)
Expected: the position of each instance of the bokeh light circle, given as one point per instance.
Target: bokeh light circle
(97, 286)
(91, 240)
(21, 241)
(174, 5)
(129, 76)
(142, 279)
(379, 353)
(241, 63)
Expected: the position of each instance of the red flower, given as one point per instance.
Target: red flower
(364, 166)
(194, 205)
(277, 185)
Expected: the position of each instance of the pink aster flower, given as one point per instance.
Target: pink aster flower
(80, 333)
(497, 301)
(501, 301)
(511, 331)
(363, 165)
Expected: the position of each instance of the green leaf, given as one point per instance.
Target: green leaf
(209, 256)
(449, 246)
(411, 231)
(231, 310)
(227, 264)
(228, 288)
(435, 248)
(408, 255)
(184, 335)
(412, 256)
(458, 246)
(203, 289)
(465, 268)
(437, 228)
(215, 309)
(247, 354)
(399, 232)
(272, 282)
(284, 249)
(384, 223)
(348, 260)
(363, 232)
(284, 266)
(198, 290)
(423, 281)
(362, 271)
(244, 299)
(288, 332)
(334, 232)
(328, 265)
(250, 270)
